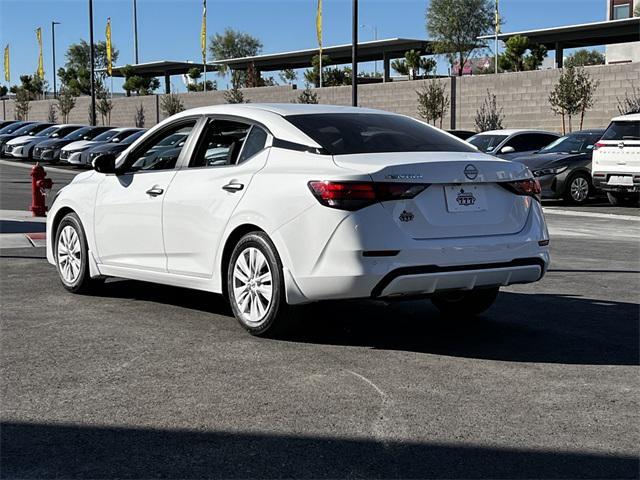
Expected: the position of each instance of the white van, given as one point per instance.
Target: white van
(616, 161)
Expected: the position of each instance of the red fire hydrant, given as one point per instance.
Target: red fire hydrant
(39, 185)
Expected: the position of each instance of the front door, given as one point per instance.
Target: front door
(203, 197)
(128, 214)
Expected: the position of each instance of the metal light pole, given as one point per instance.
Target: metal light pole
(92, 60)
(135, 31)
(354, 55)
(53, 51)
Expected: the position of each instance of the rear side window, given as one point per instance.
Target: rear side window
(622, 131)
(351, 133)
(255, 141)
(530, 141)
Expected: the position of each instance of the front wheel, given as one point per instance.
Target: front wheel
(578, 189)
(256, 286)
(465, 303)
(71, 254)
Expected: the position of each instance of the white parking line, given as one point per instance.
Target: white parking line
(574, 213)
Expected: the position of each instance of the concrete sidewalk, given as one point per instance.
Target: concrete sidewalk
(20, 229)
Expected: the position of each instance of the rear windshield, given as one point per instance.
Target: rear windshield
(350, 133)
(622, 131)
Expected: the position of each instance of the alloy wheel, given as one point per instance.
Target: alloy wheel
(579, 189)
(69, 255)
(252, 285)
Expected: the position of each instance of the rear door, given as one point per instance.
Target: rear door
(203, 196)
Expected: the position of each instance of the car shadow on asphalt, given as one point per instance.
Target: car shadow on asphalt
(541, 328)
(32, 450)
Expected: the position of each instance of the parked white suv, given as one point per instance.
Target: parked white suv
(616, 160)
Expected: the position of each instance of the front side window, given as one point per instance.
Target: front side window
(161, 152)
(352, 133)
(530, 141)
(220, 144)
(622, 131)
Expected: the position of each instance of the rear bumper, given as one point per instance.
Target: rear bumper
(378, 262)
(601, 182)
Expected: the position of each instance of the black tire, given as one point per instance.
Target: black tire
(465, 303)
(277, 314)
(574, 193)
(82, 283)
(623, 199)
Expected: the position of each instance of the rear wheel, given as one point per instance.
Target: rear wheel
(578, 188)
(623, 199)
(465, 303)
(256, 286)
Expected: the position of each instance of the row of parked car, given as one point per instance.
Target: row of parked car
(565, 166)
(576, 166)
(74, 144)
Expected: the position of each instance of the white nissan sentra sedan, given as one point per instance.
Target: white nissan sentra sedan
(280, 205)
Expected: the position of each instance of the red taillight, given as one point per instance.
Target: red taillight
(529, 186)
(356, 195)
(598, 145)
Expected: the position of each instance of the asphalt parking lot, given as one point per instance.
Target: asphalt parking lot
(146, 381)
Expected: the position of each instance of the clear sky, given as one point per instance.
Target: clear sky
(170, 29)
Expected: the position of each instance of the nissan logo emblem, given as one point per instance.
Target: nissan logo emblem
(471, 172)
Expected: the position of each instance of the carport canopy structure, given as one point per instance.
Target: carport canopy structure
(583, 35)
(375, 50)
(162, 68)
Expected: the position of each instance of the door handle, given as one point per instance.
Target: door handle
(233, 187)
(155, 191)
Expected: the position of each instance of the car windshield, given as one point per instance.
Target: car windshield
(106, 136)
(132, 138)
(622, 131)
(574, 143)
(486, 143)
(11, 128)
(30, 129)
(351, 133)
(78, 134)
(48, 131)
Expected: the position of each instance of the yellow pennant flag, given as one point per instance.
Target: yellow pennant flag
(7, 71)
(109, 48)
(203, 32)
(40, 59)
(319, 25)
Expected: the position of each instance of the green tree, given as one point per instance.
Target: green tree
(587, 88)
(22, 104)
(488, 116)
(170, 104)
(514, 59)
(76, 72)
(32, 85)
(636, 11)
(52, 115)
(195, 75)
(138, 84)
(3, 91)
(104, 106)
(288, 75)
(233, 44)
(584, 57)
(433, 102)
(139, 117)
(234, 95)
(307, 96)
(400, 66)
(455, 25)
(630, 103)
(312, 75)
(572, 94)
(66, 102)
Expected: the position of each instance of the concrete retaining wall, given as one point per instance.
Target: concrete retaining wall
(523, 97)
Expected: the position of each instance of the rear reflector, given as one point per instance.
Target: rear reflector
(529, 187)
(380, 253)
(356, 195)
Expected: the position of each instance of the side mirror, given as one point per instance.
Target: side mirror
(55, 135)
(115, 140)
(86, 137)
(507, 149)
(105, 163)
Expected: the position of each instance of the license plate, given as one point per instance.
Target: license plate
(621, 180)
(465, 198)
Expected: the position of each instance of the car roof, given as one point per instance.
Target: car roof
(631, 117)
(512, 131)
